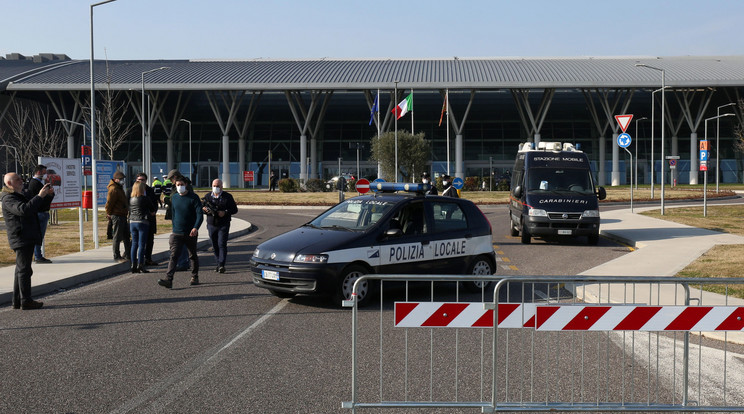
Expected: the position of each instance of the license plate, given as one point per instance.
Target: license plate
(564, 232)
(270, 274)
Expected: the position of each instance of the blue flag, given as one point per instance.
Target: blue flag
(375, 108)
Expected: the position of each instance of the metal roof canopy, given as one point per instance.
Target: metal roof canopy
(361, 74)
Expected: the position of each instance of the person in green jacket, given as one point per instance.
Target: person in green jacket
(187, 216)
(157, 188)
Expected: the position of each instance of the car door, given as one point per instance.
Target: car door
(449, 237)
(404, 245)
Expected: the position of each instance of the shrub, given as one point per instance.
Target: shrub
(315, 185)
(471, 184)
(289, 185)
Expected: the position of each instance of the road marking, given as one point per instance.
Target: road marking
(159, 396)
(502, 258)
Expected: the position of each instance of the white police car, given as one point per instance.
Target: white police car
(384, 232)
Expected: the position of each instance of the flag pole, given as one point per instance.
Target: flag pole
(379, 164)
(446, 112)
(396, 133)
(412, 112)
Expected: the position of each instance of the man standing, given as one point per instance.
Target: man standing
(186, 211)
(157, 188)
(117, 208)
(449, 190)
(35, 184)
(24, 234)
(219, 206)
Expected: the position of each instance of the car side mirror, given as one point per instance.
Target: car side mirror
(601, 193)
(394, 232)
(518, 191)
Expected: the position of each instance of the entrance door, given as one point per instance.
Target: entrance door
(207, 173)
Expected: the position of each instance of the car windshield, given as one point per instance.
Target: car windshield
(560, 180)
(353, 214)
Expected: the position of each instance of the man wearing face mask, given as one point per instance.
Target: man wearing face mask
(187, 217)
(117, 209)
(449, 190)
(219, 206)
(426, 180)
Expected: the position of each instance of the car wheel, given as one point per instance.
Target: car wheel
(525, 234)
(281, 294)
(346, 285)
(481, 266)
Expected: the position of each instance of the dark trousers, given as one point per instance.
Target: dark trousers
(150, 240)
(218, 235)
(23, 272)
(120, 230)
(177, 242)
(43, 222)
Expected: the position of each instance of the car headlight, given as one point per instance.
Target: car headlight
(256, 253)
(538, 212)
(311, 258)
(590, 213)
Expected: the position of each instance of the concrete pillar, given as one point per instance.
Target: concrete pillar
(169, 155)
(241, 162)
(615, 161)
(601, 175)
(694, 158)
(303, 158)
(70, 146)
(313, 158)
(537, 139)
(226, 161)
(675, 151)
(458, 157)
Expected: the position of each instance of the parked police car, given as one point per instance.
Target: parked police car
(384, 232)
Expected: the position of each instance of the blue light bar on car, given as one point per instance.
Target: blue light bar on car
(407, 187)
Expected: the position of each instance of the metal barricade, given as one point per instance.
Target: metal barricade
(563, 343)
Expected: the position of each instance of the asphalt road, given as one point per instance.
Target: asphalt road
(127, 345)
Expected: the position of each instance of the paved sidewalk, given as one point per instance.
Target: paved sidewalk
(70, 270)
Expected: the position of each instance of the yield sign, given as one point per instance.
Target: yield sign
(623, 121)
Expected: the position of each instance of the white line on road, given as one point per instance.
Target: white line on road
(157, 397)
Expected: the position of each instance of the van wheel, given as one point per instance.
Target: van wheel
(593, 240)
(525, 234)
(481, 266)
(514, 230)
(346, 285)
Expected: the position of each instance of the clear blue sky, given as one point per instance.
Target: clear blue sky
(245, 29)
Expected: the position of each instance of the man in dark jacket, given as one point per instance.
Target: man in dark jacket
(34, 187)
(117, 208)
(24, 234)
(219, 206)
(187, 218)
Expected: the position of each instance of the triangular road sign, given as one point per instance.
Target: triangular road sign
(623, 121)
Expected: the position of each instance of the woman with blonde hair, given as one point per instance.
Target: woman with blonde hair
(140, 207)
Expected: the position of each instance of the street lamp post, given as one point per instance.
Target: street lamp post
(705, 178)
(93, 127)
(663, 121)
(636, 153)
(190, 165)
(718, 139)
(146, 143)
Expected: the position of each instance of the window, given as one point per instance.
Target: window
(449, 217)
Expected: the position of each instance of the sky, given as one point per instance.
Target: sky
(249, 29)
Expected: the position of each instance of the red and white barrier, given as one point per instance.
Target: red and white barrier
(462, 315)
(639, 318)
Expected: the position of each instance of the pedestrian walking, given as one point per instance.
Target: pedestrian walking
(24, 233)
(187, 216)
(219, 206)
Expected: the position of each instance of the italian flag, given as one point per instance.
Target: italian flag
(404, 107)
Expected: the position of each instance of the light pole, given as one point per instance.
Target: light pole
(663, 121)
(93, 128)
(705, 179)
(146, 143)
(190, 165)
(718, 154)
(636, 156)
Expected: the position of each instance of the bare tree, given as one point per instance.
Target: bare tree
(32, 132)
(114, 126)
(739, 129)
